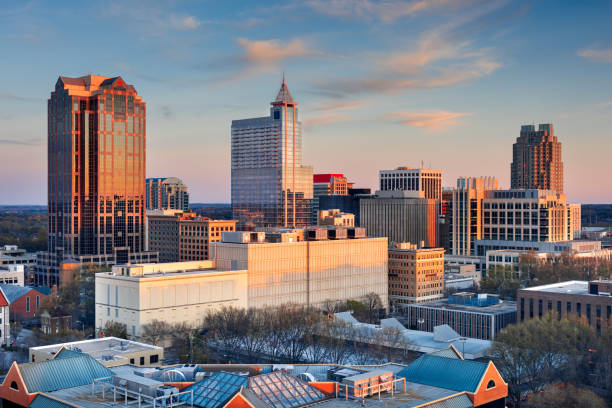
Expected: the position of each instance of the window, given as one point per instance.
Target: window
(142, 360)
(131, 361)
(154, 358)
(37, 301)
(490, 384)
(14, 386)
(28, 304)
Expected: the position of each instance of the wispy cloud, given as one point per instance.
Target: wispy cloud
(436, 121)
(184, 22)
(384, 10)
(14, 97)
(24, 142)
(596, 55)
(344, 105)
(606, 104)
(324, 119)
(263, 56)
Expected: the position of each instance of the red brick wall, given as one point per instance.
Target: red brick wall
(18, 308)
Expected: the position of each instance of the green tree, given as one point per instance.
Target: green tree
(501, 280)
(78, 295)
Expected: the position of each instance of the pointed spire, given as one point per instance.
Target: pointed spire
(284, 96)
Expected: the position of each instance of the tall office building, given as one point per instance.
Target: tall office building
(96, 175)
(536, 159)
(407, 179)
(270, 187)
(466, 213)
(166, 194)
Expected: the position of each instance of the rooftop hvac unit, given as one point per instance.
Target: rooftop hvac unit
(337, 233)
(356, 232)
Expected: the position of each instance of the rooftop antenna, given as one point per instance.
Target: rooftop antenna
(422, 163)
(283, 77)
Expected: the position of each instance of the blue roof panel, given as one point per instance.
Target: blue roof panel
(215, 391)
(62, 373)
(66, 352)
(46, 401)
(282, 390)
(442, 372)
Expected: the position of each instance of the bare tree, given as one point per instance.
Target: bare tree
(155, 332)
(373, 304)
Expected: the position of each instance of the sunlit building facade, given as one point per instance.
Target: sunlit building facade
(407, 179)
(270, 187)
(536, 159)
(166, 194)
(96, 175)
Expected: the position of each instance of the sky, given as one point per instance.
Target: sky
(380, 84)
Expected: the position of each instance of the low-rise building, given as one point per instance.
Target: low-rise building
(589, 301)
(458, 277)
(183, 236)
(136, 295)
(479, 316)
(109, 351)
(24, 301)
(309, 266)
(55, 321)
(415, 274)
(336, 218)
(12, 256)
(479, 262)
(12, 275)
(573, 247)
(5, 325)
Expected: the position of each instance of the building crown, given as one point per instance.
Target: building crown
(283, 96)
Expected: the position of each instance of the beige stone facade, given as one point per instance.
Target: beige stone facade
(574, 213)
(336, 218)
(415, 274)
(179, 292)
(308, 272)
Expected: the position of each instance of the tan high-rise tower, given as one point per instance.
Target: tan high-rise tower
(536, 159)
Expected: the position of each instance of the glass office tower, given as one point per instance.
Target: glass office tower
(96, 175)
(270, 187)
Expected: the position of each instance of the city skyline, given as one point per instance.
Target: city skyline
(458, 84)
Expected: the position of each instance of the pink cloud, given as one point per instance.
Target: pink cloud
(270, 52)
(430, 121)
(602, 55)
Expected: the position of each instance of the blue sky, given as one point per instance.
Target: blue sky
(379, 84)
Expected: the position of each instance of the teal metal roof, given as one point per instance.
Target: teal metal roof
(58, 374)
(66, 352)
(46, 401)
(442, 372)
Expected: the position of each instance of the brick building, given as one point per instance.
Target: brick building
(24, 301)
(591, 301)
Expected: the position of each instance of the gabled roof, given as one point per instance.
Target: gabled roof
(283, 96)
(442, 372)
(4, 301)
(450, 352)
(14, 292)
(216, 390)
(58, 374)
(282, 390)
(455, 401)
(47, 401)
(64, 352)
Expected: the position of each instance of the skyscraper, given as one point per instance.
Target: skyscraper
(270, 187)
(166, 194)
(96, 175)
(536, 159)
(407, 179)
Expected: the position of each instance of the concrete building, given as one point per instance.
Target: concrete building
(408, 179)
(415, 274)
(96, 175)
(109, 351)
(347, 204)
(183, 236)
(577, 247)
(466, 213)
(166, 194)
(336, 218)
(536, 159)
(589, 301)
(12, 275)
(12, 255)
(5, 323)
(574, 213)
(526, 215)
(479, 262)
(459, 277)
(401, 216)
(327, 264)
(479, 316)
(270, 187)
(135, 295)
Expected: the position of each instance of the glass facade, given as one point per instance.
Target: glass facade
(270, 187)
(96, 173)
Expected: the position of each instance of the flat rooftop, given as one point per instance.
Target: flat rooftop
(569, 287)
(504, 306)
(97, 348)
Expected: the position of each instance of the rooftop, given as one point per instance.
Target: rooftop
(14, 292)
(98, 348)
(504, 306)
